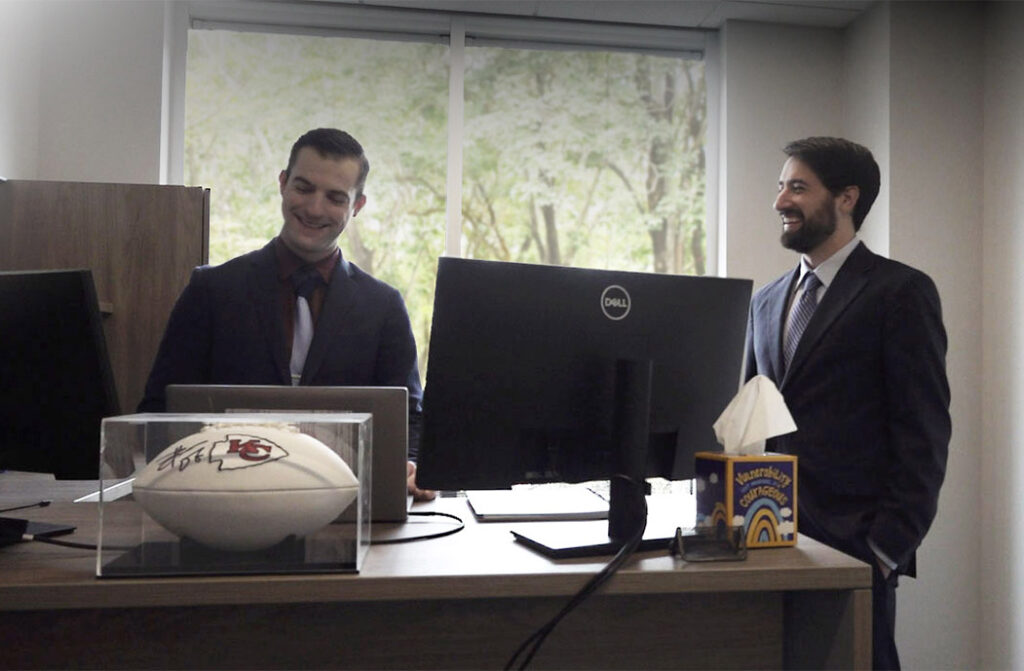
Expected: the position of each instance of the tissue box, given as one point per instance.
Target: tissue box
(757, 492)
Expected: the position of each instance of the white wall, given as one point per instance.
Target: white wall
(936, 179)
(19, 82)
(781, 83)
(1001, 203)
(89, 98)
(866, 85)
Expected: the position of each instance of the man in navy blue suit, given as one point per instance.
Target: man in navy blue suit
(865, 381)
(236, 323)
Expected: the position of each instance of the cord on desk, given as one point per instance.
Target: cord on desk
(390, 541)
(40, 504)
(532, 644)
(68, 544)
(424, 537)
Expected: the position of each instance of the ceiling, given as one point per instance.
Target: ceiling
(676, 13)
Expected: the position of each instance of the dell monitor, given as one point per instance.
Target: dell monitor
(552, 374)
(56, 383)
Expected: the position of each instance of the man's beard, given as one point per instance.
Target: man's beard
(814, 229)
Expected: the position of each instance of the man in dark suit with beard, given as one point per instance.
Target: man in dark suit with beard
(856, 345)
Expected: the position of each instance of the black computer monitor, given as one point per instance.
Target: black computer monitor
(56, 383)
(547, 374)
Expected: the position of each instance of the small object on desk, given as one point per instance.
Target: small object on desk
(717, 543)
(14, 530)
(586, 538)
(537, 504)
(758, 492)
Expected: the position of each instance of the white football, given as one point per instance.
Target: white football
(244, 488)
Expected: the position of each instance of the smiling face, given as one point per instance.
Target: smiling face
(814, 222)
(318, 197)
(806, 207)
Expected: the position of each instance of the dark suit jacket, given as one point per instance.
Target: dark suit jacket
(867, 389)
(226, 328)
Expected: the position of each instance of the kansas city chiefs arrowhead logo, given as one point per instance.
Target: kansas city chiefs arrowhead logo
(244, 451)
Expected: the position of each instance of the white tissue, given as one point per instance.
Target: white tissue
(758, 412)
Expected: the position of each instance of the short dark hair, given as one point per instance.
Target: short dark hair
(839, 163)
(332, 143)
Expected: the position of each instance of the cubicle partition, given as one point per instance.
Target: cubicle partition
(140, 241)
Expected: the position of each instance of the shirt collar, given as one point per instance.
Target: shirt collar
(288, 262)
(829, 268)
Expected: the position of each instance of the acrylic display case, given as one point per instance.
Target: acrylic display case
(252, 493)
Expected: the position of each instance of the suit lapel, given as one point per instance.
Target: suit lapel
(338, 301)
(849, 281)
(263, 288)
(776, 320)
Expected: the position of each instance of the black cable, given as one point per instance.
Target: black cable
(67, 544)
(533, 642)
(50, 540)
(392, 541)
(40, 504)
(439, 534)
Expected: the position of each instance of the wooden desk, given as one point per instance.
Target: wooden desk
(465, 601)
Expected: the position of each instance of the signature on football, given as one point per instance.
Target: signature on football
(183, 456)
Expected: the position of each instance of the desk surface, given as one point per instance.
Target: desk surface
(472, 596)
(484, 558)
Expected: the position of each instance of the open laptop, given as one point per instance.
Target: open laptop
(389, 406)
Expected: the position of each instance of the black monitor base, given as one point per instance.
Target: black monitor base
(565, 540)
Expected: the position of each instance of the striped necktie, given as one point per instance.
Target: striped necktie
(304, 281)
(802, 313)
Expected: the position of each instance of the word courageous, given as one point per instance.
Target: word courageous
(764, 492)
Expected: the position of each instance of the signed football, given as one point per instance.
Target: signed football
(244, 488)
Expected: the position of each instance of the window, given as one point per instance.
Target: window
(576, 150)
(585, 158)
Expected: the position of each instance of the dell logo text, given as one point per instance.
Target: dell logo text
(615, 302)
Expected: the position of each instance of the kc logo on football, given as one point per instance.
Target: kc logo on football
(245, 451)
(251, 450)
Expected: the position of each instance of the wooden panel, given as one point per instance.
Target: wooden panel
(828, 630)
(609, 632)
(141, 242)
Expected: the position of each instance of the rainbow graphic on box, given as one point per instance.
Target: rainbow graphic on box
(758, 492)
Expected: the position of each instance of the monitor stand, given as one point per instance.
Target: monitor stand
(627, 506)
(565, 540)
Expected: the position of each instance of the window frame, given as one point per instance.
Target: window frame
(457, 30)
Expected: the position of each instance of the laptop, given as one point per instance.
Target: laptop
(389, 406)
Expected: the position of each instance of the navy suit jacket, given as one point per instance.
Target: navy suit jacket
(226, 328)
(867, 389)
